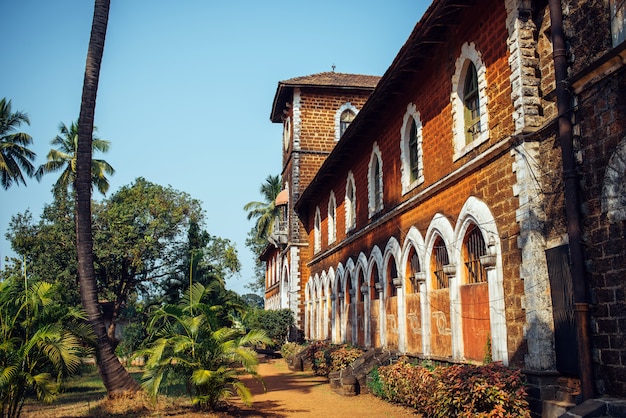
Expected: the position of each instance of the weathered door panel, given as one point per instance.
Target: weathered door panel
(441, 334)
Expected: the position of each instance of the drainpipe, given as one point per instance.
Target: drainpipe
(572, 200)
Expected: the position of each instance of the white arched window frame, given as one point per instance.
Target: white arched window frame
(469, 55)
(375, 182)
(317, 232)
(350, 203)
(343, 117)
(332, 218)
(411, 156)
(618, 21)
(286, 131)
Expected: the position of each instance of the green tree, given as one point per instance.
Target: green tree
(14, 156)
(41, 343)
(140, 236)
(266, 211)
(114, 376)
(257, 245)
(275, 323)
(188, 346)
(205, 258)
(64, 159)
(48, 247)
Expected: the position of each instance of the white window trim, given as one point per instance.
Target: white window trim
(350, 203)
(332, 218)
(468, 53)
(372, 209)
(405, 153)
(618, 22)
(342, 108)
(286, 132)
(317, 231)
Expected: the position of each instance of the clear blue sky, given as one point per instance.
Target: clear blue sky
(186, 88)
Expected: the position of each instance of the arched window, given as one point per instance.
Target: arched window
(347, 116)
(469, 101)
(412, 171)
(439, 260)
(332, 218)
(473, 248)
(317, 232)
(343, 118)
(375, 180)
(350, 203)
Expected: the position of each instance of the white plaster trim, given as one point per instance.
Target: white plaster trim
(332, 218)
(342, 108)
(372, 209)
(405, 153)
(476, 212)
(350, 203)
(317, 231)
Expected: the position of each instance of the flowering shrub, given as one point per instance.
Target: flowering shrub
(343, 356)
(453, 391)
(326, 357)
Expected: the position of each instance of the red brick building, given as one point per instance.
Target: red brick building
(476, 206)
(314, 111)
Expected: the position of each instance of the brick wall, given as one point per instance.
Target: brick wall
(492, 182)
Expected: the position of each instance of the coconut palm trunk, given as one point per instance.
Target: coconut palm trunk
(115, 378)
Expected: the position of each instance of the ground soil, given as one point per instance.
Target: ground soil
(288, 394)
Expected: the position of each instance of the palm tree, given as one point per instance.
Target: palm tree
(13, 151)
(114, 376)
(265, 212)
(64, 158)
(188, 345)
(40, 343)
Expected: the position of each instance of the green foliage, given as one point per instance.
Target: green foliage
(275, 323)
(290, 349)
(14, 154)
(453, 391)
(186, 345)
(41, 343)
(326, 358)
(64, 159)
(488, 357)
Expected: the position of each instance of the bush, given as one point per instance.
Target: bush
(290, 349)
(275, 323)
(326, 357)
(453, 391)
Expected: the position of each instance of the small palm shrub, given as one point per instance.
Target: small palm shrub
(185, 346)
(465, 390)
(41, 343)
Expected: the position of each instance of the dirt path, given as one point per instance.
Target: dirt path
(289, 394)
(302, 394)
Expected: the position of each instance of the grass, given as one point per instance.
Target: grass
(85, 396)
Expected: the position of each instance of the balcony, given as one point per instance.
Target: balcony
(279, 234)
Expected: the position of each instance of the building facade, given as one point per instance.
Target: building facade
(475, 208)
(314, 110)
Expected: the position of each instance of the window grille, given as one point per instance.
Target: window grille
(346, 118)
(378, 192)
(440, 254)
(474, 249)
(413, 152)
(415, 268)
